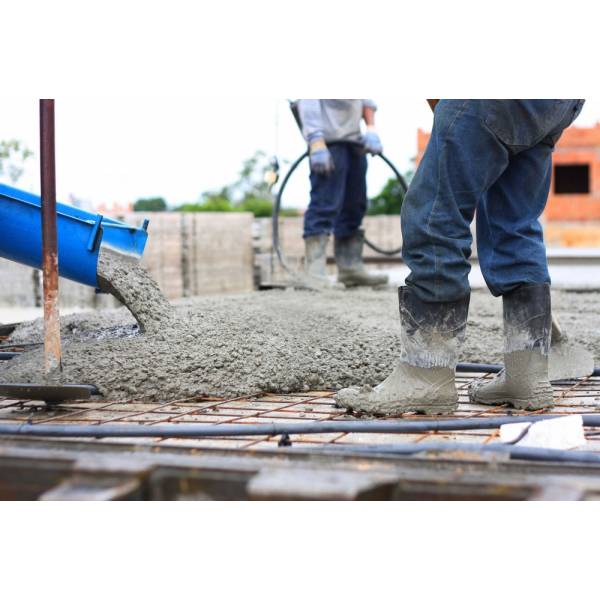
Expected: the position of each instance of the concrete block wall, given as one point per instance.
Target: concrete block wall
(164, 249)
(187, 253)
(191, 254)
(19, 285)
(219, 255)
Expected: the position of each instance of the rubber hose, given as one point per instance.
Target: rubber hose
(270, 429)
(277, 209)
(514, 452)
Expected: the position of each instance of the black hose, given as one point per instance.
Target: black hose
(404, 187)
(277, 209)
(514, 452)
(8, 355)
(477, 368)
(270, 429)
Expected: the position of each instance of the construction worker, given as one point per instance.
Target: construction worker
(338, 195)
(493, 156)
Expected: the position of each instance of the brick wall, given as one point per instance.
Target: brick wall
(576, 211)
(577, 146)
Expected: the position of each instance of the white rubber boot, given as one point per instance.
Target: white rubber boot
(423, 380)
(524, 382)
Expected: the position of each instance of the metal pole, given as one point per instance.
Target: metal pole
(52, 353)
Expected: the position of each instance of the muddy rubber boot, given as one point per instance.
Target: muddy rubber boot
(524, 381)
(351, 268)
(423, 380)
(315, 265)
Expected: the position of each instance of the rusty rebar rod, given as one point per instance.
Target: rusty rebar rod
(52, 351)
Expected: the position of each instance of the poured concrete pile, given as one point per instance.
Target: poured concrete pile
(280, 341)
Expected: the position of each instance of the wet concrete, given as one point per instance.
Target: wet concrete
(131, 284)
(280, 341)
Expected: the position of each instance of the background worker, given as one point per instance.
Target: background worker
(338, 195)
(493, 155)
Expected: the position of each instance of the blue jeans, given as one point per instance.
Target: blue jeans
(493, 156)
(338, 202)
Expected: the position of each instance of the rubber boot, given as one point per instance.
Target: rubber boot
(351, 269)
(423, 380)
(315, 266)
(524, 381)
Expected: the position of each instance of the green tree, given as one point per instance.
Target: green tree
(210, 202)
(259, 207)
(13, 156)
(390, 198)
(150, 205)
(250, 192)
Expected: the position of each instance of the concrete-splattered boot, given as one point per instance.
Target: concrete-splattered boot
(315, 265)
(524, 381)
(351, 268)
(423, 380)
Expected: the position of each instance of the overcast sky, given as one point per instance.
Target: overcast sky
(117, 149)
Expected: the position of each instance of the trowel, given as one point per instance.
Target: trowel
(567, 360)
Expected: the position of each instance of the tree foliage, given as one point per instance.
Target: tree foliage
(390, 198)
(150, 205)
(13, 156)
(249, 193)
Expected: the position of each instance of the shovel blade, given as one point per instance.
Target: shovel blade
(48, 393)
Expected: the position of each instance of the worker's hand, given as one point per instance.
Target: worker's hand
(371, 142)
(321, 161)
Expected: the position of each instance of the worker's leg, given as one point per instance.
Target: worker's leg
(462, 160)
(512, 256)
(349, 237)
(326, 199)
(327, 193)
(510, 241)
(354, 203)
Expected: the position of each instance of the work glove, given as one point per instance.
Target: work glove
(372, 143)
(321, 161)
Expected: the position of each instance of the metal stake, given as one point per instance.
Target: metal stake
(52, 352)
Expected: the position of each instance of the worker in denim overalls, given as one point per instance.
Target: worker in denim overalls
(492, 159)
(338, 195)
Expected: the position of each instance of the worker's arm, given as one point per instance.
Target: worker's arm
(371, 139)
(321, 161)
(432, 103)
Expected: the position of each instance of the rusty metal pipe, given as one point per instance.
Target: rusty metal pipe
(52, 350)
